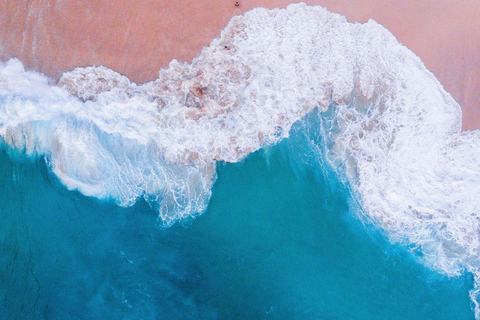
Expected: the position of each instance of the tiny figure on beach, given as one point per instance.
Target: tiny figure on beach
(237, 4)
(226, 48)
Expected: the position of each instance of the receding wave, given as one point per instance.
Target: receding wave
(392, 131)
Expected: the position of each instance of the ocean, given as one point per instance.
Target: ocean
(279, 240)
(301, 167)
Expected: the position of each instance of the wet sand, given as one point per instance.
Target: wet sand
(138, 38)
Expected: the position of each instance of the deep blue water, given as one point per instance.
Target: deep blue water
(280, 240)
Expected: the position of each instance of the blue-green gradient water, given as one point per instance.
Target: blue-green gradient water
(280, 240)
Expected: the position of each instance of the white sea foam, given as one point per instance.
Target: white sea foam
(395, 135)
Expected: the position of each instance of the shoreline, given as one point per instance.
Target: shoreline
(139, 40)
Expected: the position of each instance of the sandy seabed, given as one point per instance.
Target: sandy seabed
(137, 39)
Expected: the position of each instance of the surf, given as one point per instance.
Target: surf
(391, 131)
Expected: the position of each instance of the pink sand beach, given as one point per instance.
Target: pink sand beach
(138, 38)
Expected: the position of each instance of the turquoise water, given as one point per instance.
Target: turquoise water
(279, 241)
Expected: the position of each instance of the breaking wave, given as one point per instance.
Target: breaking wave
(392, 131)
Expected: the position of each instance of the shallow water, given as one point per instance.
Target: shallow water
(279, 241)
